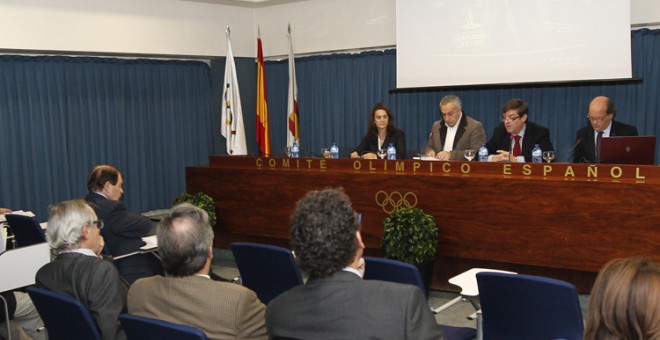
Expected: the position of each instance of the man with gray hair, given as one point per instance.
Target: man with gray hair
(454, 133)
(74, 234)
(187, 295)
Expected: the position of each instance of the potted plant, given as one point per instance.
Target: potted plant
(411, 235)
(200, 200)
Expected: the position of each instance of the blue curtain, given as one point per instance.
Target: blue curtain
(335, 95)
(60, 116)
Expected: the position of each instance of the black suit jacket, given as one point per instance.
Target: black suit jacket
(344, 306)
(369, 143)
(93, 281)
(534, 134)
(584, 150)
(123, 230)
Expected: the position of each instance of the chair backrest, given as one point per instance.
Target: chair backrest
(528, 307)
(142, 328)
(265, 269)
(64, 316)
(26, 230)
(377, 268)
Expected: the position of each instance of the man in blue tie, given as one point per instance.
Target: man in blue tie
(515, 138)
(601, 116)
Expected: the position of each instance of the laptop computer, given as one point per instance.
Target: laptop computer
(628, 150)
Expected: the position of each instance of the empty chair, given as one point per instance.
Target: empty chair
(265, 269)
(528, 307)
(376, 268)
(26, 230)
(64, 316)
(142, 328)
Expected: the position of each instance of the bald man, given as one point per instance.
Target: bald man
(601, 116)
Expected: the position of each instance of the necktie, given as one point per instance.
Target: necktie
(599, 138)
(516, 146)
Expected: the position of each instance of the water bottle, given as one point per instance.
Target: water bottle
(295, 150)
(391, 152)
(483, 153)
(334, 151)
(537, 154)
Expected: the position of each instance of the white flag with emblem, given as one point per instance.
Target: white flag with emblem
(232, 112)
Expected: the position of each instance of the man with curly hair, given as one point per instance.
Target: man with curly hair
(335, 302)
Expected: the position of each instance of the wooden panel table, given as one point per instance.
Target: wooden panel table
(560, 220)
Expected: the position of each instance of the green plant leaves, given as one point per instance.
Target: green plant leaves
(200, 200)
(410, 235)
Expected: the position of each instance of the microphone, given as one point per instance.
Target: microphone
(572, 150)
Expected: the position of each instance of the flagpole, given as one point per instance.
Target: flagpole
(293, 127)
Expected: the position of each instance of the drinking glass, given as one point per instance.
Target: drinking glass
(469, 154)
(381, 153)
(288, 151)
(548, 156)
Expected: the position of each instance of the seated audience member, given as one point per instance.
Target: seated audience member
(74, 235)
(625, 301)
(601, 116)
(336, 303)
(123, 230)
(514, 140)
(455, 133)
(187, 295)
(380, 135)
(21, 311)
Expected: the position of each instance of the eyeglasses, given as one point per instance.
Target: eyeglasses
(99, 223)
(509, 118)
(597, 119)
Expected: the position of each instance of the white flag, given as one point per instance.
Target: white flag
(293, 126)
(232, 112)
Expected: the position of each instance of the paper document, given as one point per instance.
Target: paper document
(151, 242)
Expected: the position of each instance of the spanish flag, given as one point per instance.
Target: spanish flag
(263, 129)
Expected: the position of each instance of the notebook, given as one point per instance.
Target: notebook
(628, 150)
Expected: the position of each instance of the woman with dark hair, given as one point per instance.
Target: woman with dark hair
(380, 134)
(625, 301)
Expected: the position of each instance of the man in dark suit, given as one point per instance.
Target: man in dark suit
(601, 116)
(455, 133)
(336, 303)
(123, 230)
(74, 234)
(514, 140)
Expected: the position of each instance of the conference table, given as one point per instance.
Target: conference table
(560, 220)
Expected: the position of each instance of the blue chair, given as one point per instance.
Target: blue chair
(396, 271)
(26, 230)
(265, 269)
(521, 307)
(377, 268)
(65, 317)
(142, 328)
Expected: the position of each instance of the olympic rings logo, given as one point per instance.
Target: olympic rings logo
(395, 200)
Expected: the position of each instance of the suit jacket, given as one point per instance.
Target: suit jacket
(343, 306)
(93, 281)
(369, 143)
(123, 230)
(469, 135)
(584, 150)
(222, 310)
(534, 134)
(122, 233)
